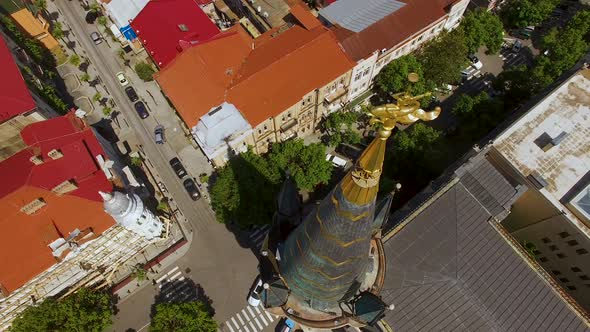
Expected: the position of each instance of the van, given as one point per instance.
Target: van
(336, 161)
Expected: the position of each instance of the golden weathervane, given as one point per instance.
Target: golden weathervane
(406, 110)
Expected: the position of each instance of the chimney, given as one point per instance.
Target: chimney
(37, 160)
(65, 187)
(33, 206)
(55, 154)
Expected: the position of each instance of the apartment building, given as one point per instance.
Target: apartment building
(548, 151)
(19, 109)
(64, 225)
(373, 33)
(281, 84)
(28, 17)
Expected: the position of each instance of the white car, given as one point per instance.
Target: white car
(336, 161)
(254, 297)
(122, 79)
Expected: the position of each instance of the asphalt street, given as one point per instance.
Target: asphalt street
(215, 261)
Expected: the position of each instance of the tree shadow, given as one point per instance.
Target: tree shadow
(181, 291)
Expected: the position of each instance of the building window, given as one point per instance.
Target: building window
(555, 272)
(289, 115)
(265, 128)
(581, 251)
(564, 280)
(584, 277)
(421, 37)
(561, 255)
(357, 76)
(545, 240)
(563, 235)
(571, 287)
(543, 259)
(576, 269)
(572, 242)
(366, 72)
(259, 131)
(553, 248)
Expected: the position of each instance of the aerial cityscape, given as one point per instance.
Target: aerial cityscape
(294, 165)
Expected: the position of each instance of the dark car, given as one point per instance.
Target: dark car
(177, 167)
(141, 110)
(131, 94)
(191, 189)
(473, 58)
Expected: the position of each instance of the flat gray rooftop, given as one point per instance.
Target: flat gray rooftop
(356, 15)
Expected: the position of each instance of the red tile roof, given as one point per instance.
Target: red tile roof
(25, 238)
(261, 78)
(15, 97)
(157, 26)
(392, 29)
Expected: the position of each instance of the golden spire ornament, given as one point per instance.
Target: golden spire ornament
(406, 110)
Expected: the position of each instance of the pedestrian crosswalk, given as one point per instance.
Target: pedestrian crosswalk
(249, 319)
(258, 235)
(175, 287)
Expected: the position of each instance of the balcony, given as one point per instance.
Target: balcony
(288, 130)
(336, 94)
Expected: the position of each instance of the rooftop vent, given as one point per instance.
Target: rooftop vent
(37, 160)
(183, 27)
(215, 110)
(55, 154)
(537, 180)
(34, 206)
(65, 187)
(545, 142)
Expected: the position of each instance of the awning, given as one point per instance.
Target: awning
(128, 32)
(115, 31)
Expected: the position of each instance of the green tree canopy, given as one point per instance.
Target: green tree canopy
(522, 13)
(479, 114)
(393, 78)
(57, 30)
(244, 191)
(145, 71)
(444, 58)
(84, 310)
(307, 163)
(338, 126)
(482, 28)
(183, 317)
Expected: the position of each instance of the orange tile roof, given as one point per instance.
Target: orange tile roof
(264, 81)
(196, 80)
(25, 238)
(304, 16)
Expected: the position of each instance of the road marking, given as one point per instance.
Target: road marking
(251, 312)
(263, 320)
(181, 279)
(258, 323)
(230, 329)
(240, 318)
(270, 318)
(252, 325)
(175, 275)
(246, 328)
(236, 324)
(257, 310)
(245, 315)
(167, 273)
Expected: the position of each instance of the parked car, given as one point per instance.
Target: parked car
(122, 79)
(177, 167)
(475, 63)
(254, 296)
(131, 94)
(287, 325)
(159, 134)
(336, 161)
(141, 110)
(517, 46)
(96, 37)
(191, 189)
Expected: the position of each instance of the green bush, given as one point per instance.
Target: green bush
(145, 71)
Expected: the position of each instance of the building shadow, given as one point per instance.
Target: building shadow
(181, 291)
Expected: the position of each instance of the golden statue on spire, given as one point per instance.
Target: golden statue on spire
(406, 110)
